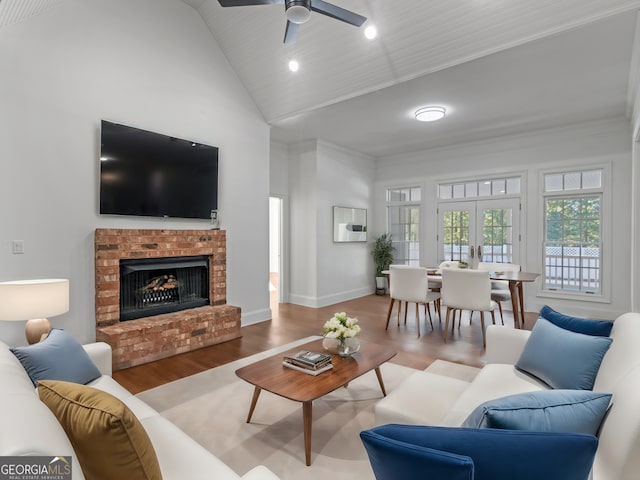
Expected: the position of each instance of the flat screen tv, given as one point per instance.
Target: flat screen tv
(149, 174)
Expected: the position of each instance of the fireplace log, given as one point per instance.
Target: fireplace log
(162, 282)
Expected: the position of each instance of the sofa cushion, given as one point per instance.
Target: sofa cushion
(562, 358)
(173, 446)
(57, 357)
(575, 324)
(413, 400)
(577, 411)
(493, 381)
(108, 439)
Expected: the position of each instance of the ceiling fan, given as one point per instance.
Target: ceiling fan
(299, 11)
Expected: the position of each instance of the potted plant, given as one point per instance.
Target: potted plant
(382, 252)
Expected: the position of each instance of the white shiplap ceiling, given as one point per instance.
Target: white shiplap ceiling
(500, 66)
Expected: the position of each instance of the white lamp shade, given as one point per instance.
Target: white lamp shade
(29, 299)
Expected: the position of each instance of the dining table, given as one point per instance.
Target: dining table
(516, 280)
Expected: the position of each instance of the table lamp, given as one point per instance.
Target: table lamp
(33, 300)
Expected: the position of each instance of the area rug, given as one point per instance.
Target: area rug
(212, 408)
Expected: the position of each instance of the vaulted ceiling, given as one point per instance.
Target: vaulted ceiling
(499, 66)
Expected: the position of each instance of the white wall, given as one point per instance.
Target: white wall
(573, 147)
(322, 176)
(151, 64)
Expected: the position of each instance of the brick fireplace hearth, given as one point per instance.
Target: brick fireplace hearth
(143, 340)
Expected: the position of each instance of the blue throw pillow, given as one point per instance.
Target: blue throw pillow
(577, 411)
(575, 324)
(562, 358)
(57, 357)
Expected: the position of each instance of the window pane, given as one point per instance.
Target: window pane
(592, 179)
(456, 235)
(499, 187)
(458, 190)
(404, 224)
(497, 234)
(572, 180)
(484, 189)
(553, 183)
(572, 251)
(513, 186)
(471, 189)
(445, 192)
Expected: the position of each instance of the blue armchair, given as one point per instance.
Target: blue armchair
(411, 452)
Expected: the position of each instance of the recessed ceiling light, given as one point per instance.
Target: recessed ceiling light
(294, 66)
(371, 32)
(430, 114)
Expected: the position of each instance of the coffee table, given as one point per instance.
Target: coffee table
(270, 375)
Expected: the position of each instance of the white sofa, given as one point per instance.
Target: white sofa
(430, 399)
(30, 429)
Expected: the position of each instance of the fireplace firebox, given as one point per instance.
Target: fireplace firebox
(153, 286)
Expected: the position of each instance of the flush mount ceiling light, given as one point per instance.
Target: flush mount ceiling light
(294, 66)
(430, 114)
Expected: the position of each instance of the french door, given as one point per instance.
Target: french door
(479, 231)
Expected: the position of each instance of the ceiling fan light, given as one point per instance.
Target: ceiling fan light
(298, 14)
(430, 114)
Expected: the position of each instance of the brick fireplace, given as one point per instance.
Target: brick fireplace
(158, 336)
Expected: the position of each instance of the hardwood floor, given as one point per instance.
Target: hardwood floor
(292, 322)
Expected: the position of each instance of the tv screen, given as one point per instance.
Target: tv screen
(149, 174)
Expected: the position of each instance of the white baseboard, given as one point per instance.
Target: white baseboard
(326, 300)
(257, 316)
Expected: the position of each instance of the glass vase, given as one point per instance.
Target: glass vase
(343, 347)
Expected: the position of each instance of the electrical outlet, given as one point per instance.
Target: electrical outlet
(17, 247)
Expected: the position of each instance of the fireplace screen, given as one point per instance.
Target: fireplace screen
(153, 286)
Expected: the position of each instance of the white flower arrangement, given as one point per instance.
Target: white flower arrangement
(340, 326)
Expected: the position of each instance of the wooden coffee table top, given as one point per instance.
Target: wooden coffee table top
(269, 374)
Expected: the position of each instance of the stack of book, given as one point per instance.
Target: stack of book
(308, 362)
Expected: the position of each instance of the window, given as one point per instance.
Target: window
(496, 187)
(403, 213)
(573, 237)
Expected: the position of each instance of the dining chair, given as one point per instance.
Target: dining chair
(410, 285)
(438, 286)
(499, 288)
(449, 264)
(464, 289)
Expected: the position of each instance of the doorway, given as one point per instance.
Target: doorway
(275, 252)
(479, 231)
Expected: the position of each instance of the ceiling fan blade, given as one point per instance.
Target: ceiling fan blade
(242, 3)
(291, 32)
(338, 13)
